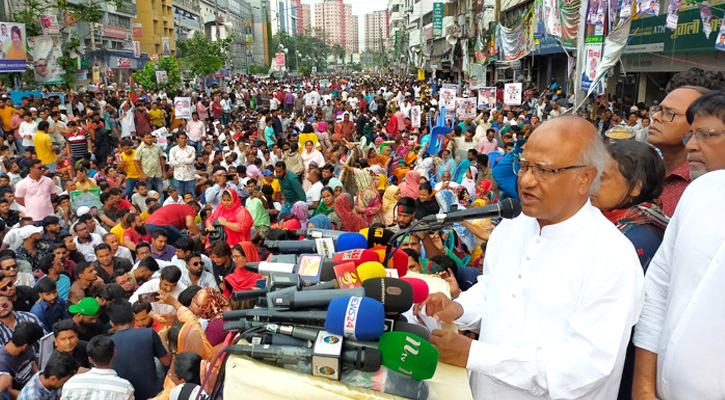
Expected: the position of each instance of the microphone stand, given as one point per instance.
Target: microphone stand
(416, 227)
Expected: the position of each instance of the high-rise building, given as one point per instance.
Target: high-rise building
(304, 18)
(283, 16)
(156, 17)
(376, 30)
(337, 24)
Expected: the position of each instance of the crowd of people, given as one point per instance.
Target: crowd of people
(125, 241)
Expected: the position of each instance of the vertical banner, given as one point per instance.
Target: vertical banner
(137, 29)
(720, 41)
(552, 19)
(437, 20)
(612, 16)
(415, 117)
(136, 49)
(487, 97)
(165, 47)
(512, 94)
(50, 25)
(673, 14)
(447, 99)
(592, 57)
(421, 74)
(43, 53)
(706, 16)
(539, 25)
(13, 53)
(626, 9)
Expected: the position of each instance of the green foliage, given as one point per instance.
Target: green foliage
(69, 62)
(304, 70)
(313, 50)
(259, 69)
(200, 56)
(147, 76)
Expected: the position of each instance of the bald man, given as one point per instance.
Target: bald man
(562, 286)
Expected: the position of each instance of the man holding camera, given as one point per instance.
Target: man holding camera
(213, 195)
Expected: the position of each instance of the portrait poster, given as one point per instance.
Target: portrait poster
(447, 99)
(720, 41)
(512, 94)
(466, 108)
(90, 198)
(182, 107)
(487, 97)
(13, 47)
(162, 77)
(648, 7)
(706, 16)
(49, 23)
(415, 117)
(43, 54)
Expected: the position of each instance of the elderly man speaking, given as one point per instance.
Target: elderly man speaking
(561, 286)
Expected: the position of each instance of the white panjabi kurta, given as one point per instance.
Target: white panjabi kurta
(683, 319)
(554, 308)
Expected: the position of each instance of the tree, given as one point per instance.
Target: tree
(200, 56)
(147, 76)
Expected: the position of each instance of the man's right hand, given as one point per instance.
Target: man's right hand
(440, 307)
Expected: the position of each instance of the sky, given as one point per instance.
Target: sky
(359, 8)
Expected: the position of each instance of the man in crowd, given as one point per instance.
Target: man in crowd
(106, 263)
(47, 383)
(23, 297)
(65, 339)
(705, 142)
(86, 241)
(87, 284)
(36, 192)
(174, 219)
(17, 358)
(150, 163)
(85, 315)
(168, 281)
(290, 185)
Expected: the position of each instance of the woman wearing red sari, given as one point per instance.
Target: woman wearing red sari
(235, 219)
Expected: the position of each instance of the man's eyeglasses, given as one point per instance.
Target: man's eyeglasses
(4, 288)
(9, 267)
(701, 134)
(539, 172)
(668, 115)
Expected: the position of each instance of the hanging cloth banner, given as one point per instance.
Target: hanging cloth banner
(539, 23)
(518, 41)
(552, 18)
(613, 47)
(706, 16)
(673, 14)
(569, 23)
(592, 57)
(720, 41)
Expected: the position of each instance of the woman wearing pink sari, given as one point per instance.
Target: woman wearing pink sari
(235, 219)
(410, 185)
(345, 217)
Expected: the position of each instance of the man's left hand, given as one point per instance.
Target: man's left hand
(453, 348)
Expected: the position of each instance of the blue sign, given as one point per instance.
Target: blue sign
(547, 45)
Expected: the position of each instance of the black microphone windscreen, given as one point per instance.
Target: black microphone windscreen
(363, 358)
(328, 271)
(412, 328)
(510, 208)
(395, 294)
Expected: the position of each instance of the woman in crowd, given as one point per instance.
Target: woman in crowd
(327, 205)
(390, 199)
(300, 212)
(410, 185)
(241, 278)
(368, 202)
(344, 217)
(236, 220)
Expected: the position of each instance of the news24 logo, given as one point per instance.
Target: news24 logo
(353, 307)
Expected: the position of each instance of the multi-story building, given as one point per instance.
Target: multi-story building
(304, 18)
(186, 18)
(283, 16)
(396, 13)
(257, 49)
(376, 30)
(238, 13)
(156, 19)
(337, 24)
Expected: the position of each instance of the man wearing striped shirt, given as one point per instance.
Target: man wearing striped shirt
(101, 382)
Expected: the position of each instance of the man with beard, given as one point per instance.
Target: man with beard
(49, 309)
(72, 255)
(405, 213)
(23, 297)
(117, 250)
(32, 249)
(146, 267)
(195, 274)
(10, 266)
(85, 315)
(87, 284)
(17, 358)
(53, 268)
(86, 241)
(137, 233)
(51, 229)
(9, 216)
(10, 319)
(123, 279)
(66, 341)
(106, 262)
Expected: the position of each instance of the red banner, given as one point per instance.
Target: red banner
(137, 30)
(116, 32)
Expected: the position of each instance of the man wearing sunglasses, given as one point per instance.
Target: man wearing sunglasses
(668, 127)
(36, 192)
(9, 267)
(194, 275)
(11, 318)
(23, 297)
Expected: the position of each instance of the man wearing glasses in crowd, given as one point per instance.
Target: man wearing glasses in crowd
(36, 193)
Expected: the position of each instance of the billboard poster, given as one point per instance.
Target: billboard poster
(50, 25)
(706, 16)
(43, 53)
(447, 99)
(161, 77)
(720, 41)
(466, 108)
(415, 117)
(512, 94)
(182, 107)
(593, 53)
(165, 47)
(648, 7)
(13, 47)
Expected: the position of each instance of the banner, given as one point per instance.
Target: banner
(466, 108)
(706, 16)
(136, 48)
(720, 41)
(447, 99)
(648, 7)
(43, 53)
(518, 41)
(161, 77)
(50, 25)
(437, 20)
(512, 94)
(13, 53)
(569, 12)
(552, 20)
(415, 117)
(626, 9)
(539, 25)
(487, 97)
(673, 12)
(137, 29)
(165, 47)
(593, 55)
(613, 8)
(81, 78)
(90, 198)
(613, 47)
(162, 137)
(182, 107)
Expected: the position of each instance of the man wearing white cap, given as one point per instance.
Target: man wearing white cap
(32, 249)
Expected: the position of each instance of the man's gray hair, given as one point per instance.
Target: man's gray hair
(595, 155)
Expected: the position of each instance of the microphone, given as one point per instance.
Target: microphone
(395, 294)
(357, 256)
(316, 233)
(351, 241)
(369, 270)
(305, 316)
(420, 289)
(408, 354)
(400, 326)
(356, 318)
(276, 339)
(507, 208)
(292, 246)
(376, 236)
(314, 298)
(265, 268)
